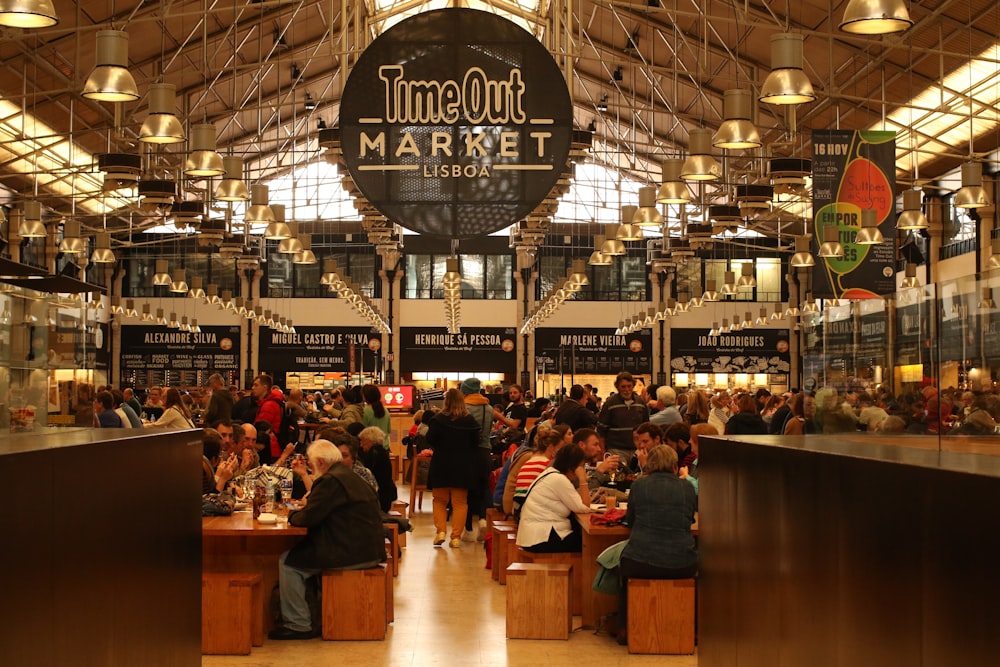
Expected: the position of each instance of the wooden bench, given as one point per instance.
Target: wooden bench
(538, 598)
(355, 603)
(231, 621)
(569, 558)
(661, 616)
(399, 515)
(392, 546)
(498, 547)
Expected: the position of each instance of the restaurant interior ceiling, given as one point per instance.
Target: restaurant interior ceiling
(644, 74)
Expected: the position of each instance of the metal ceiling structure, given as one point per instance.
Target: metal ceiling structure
(642, 75)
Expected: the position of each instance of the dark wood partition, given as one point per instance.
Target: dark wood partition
(845, 552)
(100, 563)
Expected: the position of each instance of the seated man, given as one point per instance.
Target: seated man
(345, 532)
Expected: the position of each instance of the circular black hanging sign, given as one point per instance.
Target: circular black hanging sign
(455, 123)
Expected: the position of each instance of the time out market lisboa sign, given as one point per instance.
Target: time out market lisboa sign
(455, 123)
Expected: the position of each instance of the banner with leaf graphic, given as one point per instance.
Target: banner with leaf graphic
(854, 170)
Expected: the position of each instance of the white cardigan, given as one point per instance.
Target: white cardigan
(551, 499)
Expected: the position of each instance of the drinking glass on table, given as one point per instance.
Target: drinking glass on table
(286, 491)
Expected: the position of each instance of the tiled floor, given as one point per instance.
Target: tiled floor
(448, 612)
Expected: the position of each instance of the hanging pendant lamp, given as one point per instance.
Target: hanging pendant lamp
(203, 160)
(911, 217)
(803, 255)
(232, 187)
(111, 81)
(876, 17)
(700, 165)
(869, 234)
(737, 132)
(27, 13)
(161, 125)
(787, 83)
(673, 190)
(972, 194)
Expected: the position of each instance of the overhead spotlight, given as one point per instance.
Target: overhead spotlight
(910, 276)
(972, 194)
(912, 217)
(831, 246)
(27, 13)
(602, 106)
(618, 75)
(203, 160)
(111, 81)
(321, 124)
(994, 260)
(869, 234)
(592, 127)
(31, 225)
(310, 103)
(737, 131)
(700, 165)
(232, 187)
(673, 190)
(647, 214)
(803, 254)
(876, 17)
(787, 83)
(161, 125)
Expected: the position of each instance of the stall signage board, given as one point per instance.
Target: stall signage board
(317, 349)
(215, 349)
(473, 349)
(599, 351)
(751, 351)
(455, 123)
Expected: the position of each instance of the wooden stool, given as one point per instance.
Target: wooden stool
(494, 516)
(538, 601)
(400, 515)
(568, 558)
(498, 546)
(661, 616)
(231, 618)
(417, 491)
(354, 603)
(390, 604)
(392, 546)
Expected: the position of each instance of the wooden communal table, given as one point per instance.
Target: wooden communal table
(595, 540)
(237, 543)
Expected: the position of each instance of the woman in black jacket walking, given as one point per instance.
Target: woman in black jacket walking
(454, 436)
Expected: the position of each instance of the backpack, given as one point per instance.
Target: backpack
(288, 430)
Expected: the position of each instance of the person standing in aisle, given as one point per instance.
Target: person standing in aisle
(481, 410)
(220, 403)
(453, 434)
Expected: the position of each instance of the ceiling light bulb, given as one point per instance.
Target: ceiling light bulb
(31, 225)
(912, 217)
(259, 212)
(111, 81)
(102, 250)
(647, 215)
(910, 276)
(232, 187)
(178, 283)
(612, 246)
(831, 246)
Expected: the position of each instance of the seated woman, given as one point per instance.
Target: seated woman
(175, 413)
(547, 523)
(661, 509)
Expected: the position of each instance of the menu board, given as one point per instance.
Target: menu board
(473, 349)
(593, 351)
(750, 351)
(156, 355)
(320, 350)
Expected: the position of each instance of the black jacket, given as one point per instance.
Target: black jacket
(456, 459)
(344, 522)
(574, 415)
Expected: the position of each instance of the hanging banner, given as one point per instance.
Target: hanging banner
(854, 170)
(472, 350)
(455, 123)
(318, 350)
(751, 351)
(594, 351)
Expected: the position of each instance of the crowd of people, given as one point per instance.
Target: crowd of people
(542, 464)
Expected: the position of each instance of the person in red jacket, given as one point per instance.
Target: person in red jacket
(270, 407)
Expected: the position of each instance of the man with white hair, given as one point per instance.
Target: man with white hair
(345, 532)
(666, 412)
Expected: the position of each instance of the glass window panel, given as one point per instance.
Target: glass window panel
(418, 276)
(307, 281)
(552, 269)
(224, 274)
(715, 269)
(472, 271)
(363, 273)
(279, 276)
(499, 277)
(633, 279)
(604, 283)
(689, 281)
(437, 276)
(769, 279)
